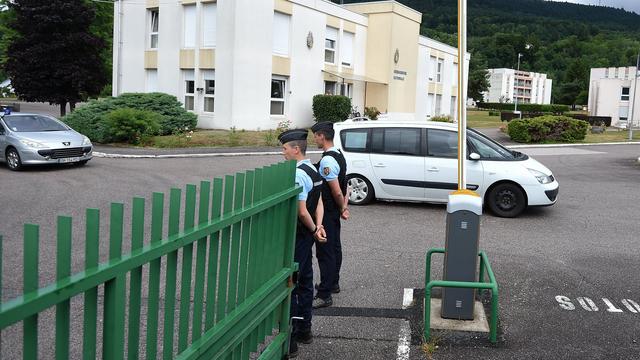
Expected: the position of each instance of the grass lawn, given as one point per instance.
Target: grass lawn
(481, 119)
(611, 136)
(219, 138)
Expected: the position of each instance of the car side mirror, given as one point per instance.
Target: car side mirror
(474, 156)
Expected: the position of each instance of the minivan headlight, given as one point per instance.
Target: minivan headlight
(32, 144)
(86, 141)
(542, 178)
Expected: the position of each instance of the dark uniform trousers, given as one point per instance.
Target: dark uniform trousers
(302, 295)
(329, 255)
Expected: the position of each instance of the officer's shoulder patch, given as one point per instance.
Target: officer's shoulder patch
(326, 171)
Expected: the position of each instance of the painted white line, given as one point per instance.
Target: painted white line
(404, 341)
(570, 145)
(407, 298)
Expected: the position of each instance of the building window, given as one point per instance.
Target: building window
(154, 18)
(189, 90)
(623, 113)
(278, 88)
(432, 67)
(209, 90)
(455, 74)
(189, 26)
(331, 38)
(439, 69)
(430, 103)
(281, 33)
(209, 25)
(346, 89)
(152, 80)
(453, 108)
(329, 87)
(346, 49)
(625, 94)
(438, 110)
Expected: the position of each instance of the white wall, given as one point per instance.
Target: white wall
(605, 90)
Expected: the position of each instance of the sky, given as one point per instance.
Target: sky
(629, 5)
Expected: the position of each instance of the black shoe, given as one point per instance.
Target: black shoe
(319, 302)
(335, 290)
(304, 337)
(293, 349)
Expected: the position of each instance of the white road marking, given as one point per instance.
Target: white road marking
(589, 305)
(404, 341)
(407, 298)
(560, 151)
(610, 306)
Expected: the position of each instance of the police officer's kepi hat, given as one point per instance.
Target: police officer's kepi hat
(325, 126)
(293, 135)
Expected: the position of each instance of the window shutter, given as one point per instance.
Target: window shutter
(209, 25)
(281, 33)
(189, 26)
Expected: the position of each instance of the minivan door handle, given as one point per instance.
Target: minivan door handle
(433, 169)
(379, 165)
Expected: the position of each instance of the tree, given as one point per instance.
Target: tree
(54, 56)
(478, 77)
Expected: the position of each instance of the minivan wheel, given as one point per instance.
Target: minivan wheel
(507, 200)
(13, 159)
(361, 190)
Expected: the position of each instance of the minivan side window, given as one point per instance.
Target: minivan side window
(442, 143)
(355, 140)
(401, 141)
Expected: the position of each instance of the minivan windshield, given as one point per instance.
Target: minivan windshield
(491, 150)
(33, 123)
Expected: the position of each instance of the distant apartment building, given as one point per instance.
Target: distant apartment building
(611, 93)
(253, 64)
(505, 85)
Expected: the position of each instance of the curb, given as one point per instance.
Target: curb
(258, 153)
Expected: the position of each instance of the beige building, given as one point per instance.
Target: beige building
(254, 64)
(612, 92)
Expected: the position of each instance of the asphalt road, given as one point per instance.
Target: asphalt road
(550, 263)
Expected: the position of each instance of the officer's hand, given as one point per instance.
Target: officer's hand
(320, 235)
(345, 214)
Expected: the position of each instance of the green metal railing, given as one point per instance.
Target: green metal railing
(491, 285)
(243, 241)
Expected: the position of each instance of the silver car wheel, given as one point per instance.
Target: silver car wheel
(361, 190)
(13, 159)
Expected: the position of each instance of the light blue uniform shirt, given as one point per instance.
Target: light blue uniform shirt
(302, 179)
(328, 162)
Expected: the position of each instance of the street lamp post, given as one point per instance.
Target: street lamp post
(515, 110)
(635, 95)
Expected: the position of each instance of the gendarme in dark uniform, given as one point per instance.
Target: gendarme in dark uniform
(333, 168)
(309, 228)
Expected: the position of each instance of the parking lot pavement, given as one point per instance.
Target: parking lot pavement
(568, 274)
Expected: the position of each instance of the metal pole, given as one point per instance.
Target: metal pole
(462, 109)
(514, 86)
(635, 95)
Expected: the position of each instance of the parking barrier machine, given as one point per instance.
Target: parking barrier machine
(461, 253)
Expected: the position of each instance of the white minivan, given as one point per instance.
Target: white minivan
(417, 161)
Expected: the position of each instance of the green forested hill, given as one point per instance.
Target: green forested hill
(566, 39)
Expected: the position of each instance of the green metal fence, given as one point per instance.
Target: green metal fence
(232, 302)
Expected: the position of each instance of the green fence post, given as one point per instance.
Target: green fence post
(63, 270)
(30, 283)
(225, 247)
(135, 285)
(244, 255)
(114, 292)
(170, 281)
(187, 262)
(92, 243)
(212, 267)
(201, 254)
(235, 243)
(157, 219)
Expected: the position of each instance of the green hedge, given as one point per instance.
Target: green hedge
(537, 108)
(332, 108)
(132, 125)
(90, 119)
(547, 128)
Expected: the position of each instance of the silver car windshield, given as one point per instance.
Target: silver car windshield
(33, 123)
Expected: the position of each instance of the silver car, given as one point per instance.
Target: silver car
(31, 139)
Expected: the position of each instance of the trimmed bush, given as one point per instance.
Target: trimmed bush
(90, 119)
(441, 118)
(332, 108)
(534, 108)
(547, 128)
(131, 125)
(371, 112)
